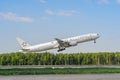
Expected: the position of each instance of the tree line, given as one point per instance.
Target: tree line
(100, 58)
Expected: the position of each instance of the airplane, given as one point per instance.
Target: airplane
(61, 44)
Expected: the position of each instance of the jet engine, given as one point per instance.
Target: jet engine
(73, 43)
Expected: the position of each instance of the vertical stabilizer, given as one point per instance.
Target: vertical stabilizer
(22, 43)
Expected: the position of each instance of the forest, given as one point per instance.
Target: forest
(46, 58)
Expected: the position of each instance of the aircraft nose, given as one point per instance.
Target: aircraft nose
(98, 35)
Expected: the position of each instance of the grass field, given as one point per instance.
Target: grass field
(38, 71)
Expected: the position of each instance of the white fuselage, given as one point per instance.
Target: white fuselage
(55, 44)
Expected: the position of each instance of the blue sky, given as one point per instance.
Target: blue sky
(39, 21)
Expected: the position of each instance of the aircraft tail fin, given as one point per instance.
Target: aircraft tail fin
(22, 43)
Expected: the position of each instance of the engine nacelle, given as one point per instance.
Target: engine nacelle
(20, 50)
(73, 43)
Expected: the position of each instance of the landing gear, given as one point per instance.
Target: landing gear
(94, 41)
(61, 49)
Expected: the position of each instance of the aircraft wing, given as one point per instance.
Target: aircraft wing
(62, 43)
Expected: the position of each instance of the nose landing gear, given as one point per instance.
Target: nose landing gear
(94, 41)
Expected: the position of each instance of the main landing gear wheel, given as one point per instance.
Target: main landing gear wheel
(61, 49)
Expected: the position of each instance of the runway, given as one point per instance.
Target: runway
(63, 77)
(60, 66)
